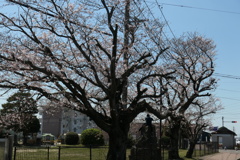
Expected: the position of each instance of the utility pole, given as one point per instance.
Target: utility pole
(227, 121)
(223, 121)
(160, 136)
(125, 54)
(160, 124)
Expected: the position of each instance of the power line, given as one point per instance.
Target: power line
(229, 98)
(207, 9)
(160, 9)
(228, 90)
(141, 12)
(227, 76)
(165, 19)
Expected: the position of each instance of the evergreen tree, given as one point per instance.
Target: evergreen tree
(22, 108)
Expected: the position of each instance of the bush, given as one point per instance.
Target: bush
(72, 138)
(2, 134)
(92, 137)
(130, 142)
(165, 140)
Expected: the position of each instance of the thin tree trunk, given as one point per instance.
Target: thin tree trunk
(190, 150)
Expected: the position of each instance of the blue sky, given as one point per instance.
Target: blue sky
(218, 20)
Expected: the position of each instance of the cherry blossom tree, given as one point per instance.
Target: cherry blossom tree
(99, 57)
(196, 119)
(192, 56)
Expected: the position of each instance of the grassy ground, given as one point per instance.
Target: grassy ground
(65, 153)
(1, 152)
(182, 154)
(72, 153)
(2, 145)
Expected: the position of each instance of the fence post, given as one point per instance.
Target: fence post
(48, 149)
(163, 152)
(59, 152)
(8, 148)
(15, 152)
(90, 152)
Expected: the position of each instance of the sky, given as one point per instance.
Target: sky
(218, 20)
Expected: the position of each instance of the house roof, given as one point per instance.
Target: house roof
(224, 130)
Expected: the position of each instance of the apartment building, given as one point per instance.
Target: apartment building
(63, 121)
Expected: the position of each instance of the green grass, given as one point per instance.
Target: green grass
(69, 153)
(182, 154)
(196, 156)
(1, 152)
(66, 153)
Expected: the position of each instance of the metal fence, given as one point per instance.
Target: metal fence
(59, 153)
(67, 153)
(203, 149)
(90, 153)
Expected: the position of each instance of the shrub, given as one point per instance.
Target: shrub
(165, 140)
(92, 137)
(72, 138)
(2, 134)
(130, 142)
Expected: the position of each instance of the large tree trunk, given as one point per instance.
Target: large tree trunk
(191, 149)
(117, 144)
(174, 139)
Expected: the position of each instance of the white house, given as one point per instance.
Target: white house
(224, 137)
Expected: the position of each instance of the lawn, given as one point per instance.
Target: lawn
(70, 153)
(30, 153)
(182, 153)
(1, 152)
(2, 149)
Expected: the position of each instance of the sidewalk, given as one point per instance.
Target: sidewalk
(223, 155)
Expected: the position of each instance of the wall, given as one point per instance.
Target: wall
(224, 140)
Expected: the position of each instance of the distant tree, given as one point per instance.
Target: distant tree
(33, 126)
(21, 107)
(20, 102)
(193, 58)
(196, 119)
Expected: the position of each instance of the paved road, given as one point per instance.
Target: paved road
(223, 155)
